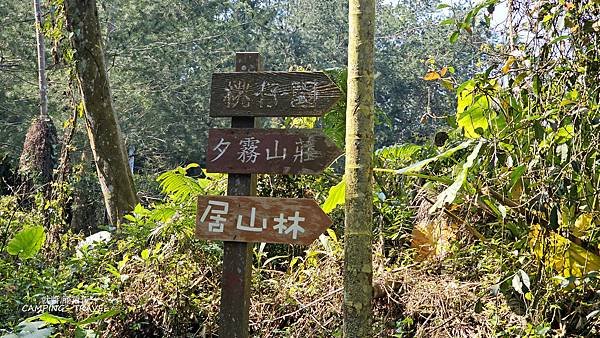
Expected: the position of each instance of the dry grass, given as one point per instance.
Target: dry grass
(304, 301)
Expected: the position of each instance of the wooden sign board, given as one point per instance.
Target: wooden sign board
(272, 94)
(260, 219)
(269, 151)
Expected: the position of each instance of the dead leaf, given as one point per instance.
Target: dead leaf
(509, 62)
(443, 71)
(431, 75)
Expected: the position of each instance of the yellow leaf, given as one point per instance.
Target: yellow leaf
(508, 63)
(564, 256)
(431, 75)
(582, 225)
(443, 71)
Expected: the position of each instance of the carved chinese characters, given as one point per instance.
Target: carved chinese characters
(275, 151)
(240, 151)
(272, 94)
(260, 219)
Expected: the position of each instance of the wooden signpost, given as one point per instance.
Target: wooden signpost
(272, 94)
(260, 219)
(269, 151)
(240, 218)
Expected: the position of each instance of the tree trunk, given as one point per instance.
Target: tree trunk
(358, 270)
(37, 158)
(101, 122)
(41, 49)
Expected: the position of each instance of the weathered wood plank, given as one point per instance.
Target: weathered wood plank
(237, 256)
(272, 94)
(269, 151)
(260, 219)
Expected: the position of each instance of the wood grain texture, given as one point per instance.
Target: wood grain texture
(272, 94)
(237, 256)
(270, 214)
(269, 151)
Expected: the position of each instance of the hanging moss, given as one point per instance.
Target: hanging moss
(37, 159)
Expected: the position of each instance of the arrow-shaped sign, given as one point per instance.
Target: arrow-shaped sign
(269, 151)
(272, 94)
(260, 219)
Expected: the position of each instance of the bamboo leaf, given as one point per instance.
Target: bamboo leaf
(447, 196)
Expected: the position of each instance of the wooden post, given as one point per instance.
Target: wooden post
(237, 256)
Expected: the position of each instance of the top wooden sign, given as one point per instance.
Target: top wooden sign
(272, 94)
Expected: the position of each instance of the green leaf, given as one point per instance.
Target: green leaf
(536, 85)
(473, 121)
(332, 235)
(337, 196)
(516, 174)
(27, 242)
(180, 187)
(448, 195)
(110, 268)
(93, 319)
(471, 110)
(398, 152)
(454, 37)
(139, 210)
(564, 134)
(145, 254)
(32, 329)
(54, 319)
(419, 165)
(558, 39)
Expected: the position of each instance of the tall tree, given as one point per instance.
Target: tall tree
(37, 160)
(41, 50)
(358, 271)
(102, 126)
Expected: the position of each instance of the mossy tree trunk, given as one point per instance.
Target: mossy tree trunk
(358, 271)
(101, 122)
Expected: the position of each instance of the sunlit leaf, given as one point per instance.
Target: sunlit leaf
(431, 75)
(447, 196)
(516, 174)
(27, 242)
(447, 84)
(473, 121)
(454, 37)
(471, 111)
(517, 284)
(582, 225)
(564, 134)
(564, 256)
(419, 165)
(54, 319)
(336, 196)
(507, 64)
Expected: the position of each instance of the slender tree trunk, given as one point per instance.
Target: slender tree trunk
(37, 158)
(358, 270)
(41, 50)
(101, 121)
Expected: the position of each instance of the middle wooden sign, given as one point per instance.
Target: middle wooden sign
(269, 151)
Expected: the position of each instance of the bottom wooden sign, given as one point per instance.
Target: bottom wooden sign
(260, 219)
